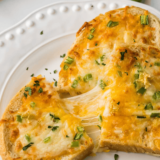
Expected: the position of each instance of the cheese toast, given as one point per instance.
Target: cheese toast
(82, 67)
(35, 126)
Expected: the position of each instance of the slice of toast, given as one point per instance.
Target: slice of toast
(35, 126)
(83, 65)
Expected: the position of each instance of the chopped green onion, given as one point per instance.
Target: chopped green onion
(90, 36)
(135, 84)
(62, 56)
(74, 84)
(55, 84)
(146, 129)
(136, 76)
(80, 129)
(41, 32)
(19, 118)
(28, 138)
(97, 62)
(40, 90)
(122, 55)
(100, 118)
(137, 0)
(102, 85)
(141, 90)
(92, 30)
(87, 77)
(27, 68)
(146, 61)
(55, 71)
(156, 95)
(112, 24)
(157, 64)
(102, 58)
(32, 75)
(150, 66)
(119, 73)
(154, 115)
(46, 69)
(149, 106)
(99, 127)
(27, 146)
(75, 144)
(141, 117)
(134, 40)
(103, 64)
(78, 136)
(55, 128)
(144, 19)
(69, 60)
(116, 156)
(96, 44)
(126, 73)
(25, 95)
(67, 136)
(65, 67)
(46, 140)
(29, 90)
(32, 104)
(118, 103)
(36, 83)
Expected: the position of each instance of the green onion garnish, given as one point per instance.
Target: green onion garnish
(148, 106)
(46, 140)
(69, 60)
(141, 90)
(78, 136)
(65, 67)
(75, 144)
(87, 77)
(90, 36)
(154, 115)
(80, 129)
(74, 84)
(102, 84)
(19, 118)
(144, 19)
(28, 138)
(27, 146)
(32, 104)
(112, 24)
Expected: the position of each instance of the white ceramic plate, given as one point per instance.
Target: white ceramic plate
(23, 46)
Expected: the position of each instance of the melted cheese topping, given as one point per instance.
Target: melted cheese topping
(51, 137)
(96, 40)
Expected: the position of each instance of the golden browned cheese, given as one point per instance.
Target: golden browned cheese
(41, 128)
(95, 40)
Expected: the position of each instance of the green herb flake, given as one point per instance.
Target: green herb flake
(65, 67)
(80, 129)
(102, 84)
(126, 73)
(46, 140)
(134, 40)
(32, 104)
(119, 73)
(75, 144)
(90, 36)
(55, 128)
(62, 56)
(148, 106)
(135, 58)
(41, 32)
(67, 136)
(87, 77)
(78, 136)
(19, 118)
(135, 84)
(122, 55)
(55, 71)
(69, 60)
(150, 66)
(156, 95)
(46, 69)
(157, 64)
(25, 95)
(32, 75)
(29, 90)
(102, 58)
(144, 19)
(146, 129)
(141, 90)
(103, 64)
(96, 44)
(118, 103)
(40, 90)
(112, 24)
(74, 84)
(141, 117)
(27, 146)
(27, 137)
(92, 30)
(36, 83)
(55, 84)
(155, 115)
(100, 118)
(146, 61)
(97, 62)
(99, 127)
(136, 76)
(27, 68)
(116, 156)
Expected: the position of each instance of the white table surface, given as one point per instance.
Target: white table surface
(12, 11)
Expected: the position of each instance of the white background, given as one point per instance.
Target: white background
(12, 11)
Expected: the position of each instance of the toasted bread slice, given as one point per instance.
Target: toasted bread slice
(82, 67)
(35, 126)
